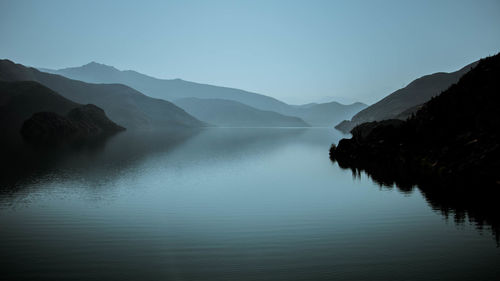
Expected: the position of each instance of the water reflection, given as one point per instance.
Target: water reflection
(226, 204)
(24, 163)
(103, 160)
(463, 203)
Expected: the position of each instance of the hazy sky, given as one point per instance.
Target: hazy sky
(296, 51)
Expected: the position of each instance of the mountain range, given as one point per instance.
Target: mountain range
(195, 105)
(124, 105)
(324, 114)
(168, 89)
(404, 102)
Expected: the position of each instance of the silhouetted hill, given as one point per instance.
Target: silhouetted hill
(229, 113)
(453, 136)
(405, 101)
(20, 100)
(81, 123)
(450, 148)
(29, 100)
(122, 104)
(326, 114)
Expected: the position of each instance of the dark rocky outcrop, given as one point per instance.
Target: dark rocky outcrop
(48, 127)
(92, 119)
(43, 115)
(81, 123)
(19, 101)
(450, 148)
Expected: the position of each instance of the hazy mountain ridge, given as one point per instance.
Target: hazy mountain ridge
(169, 89)
(175, 89)
(216, 111)
(123, 104)
(405, 101)
(325, 114)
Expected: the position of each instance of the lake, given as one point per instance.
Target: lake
(225, 204)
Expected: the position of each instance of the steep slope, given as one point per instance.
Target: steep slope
(453, 139)
(229, 113)
(416, 93)
(20, 101)
(123, 104)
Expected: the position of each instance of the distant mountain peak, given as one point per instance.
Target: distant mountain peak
(96, 65)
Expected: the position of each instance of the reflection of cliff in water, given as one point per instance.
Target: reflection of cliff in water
(23, 163)
(477, 205)
(103, 160)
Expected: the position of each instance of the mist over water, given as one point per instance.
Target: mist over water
(225, 204)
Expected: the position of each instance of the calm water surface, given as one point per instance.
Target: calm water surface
(226, 204)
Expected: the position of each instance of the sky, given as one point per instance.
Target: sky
(296, 51)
